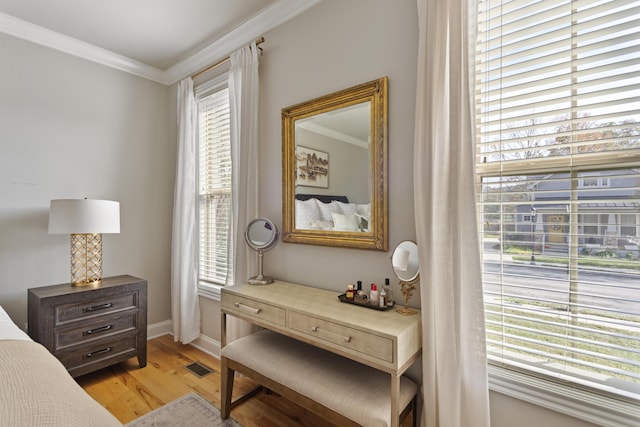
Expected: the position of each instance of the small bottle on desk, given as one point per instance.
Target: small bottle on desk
(374, 296)
(351, 292)
(360, 297)
(389, 292)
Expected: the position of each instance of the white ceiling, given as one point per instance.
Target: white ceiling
(163, 40)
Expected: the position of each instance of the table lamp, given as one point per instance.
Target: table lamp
(85, 220)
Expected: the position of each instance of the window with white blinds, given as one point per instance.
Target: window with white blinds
(558, 167)
(214, 189)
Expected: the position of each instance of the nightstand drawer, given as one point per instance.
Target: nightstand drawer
(91, 331)
(65, 313)
(349, 338)
(254, 310)
(99, 351)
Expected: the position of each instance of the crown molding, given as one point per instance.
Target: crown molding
(51, 39)
(279, 12)
(271, 17)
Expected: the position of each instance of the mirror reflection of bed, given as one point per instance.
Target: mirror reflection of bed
(331, 213)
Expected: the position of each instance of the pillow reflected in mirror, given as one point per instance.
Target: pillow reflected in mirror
(307, 211)
(343, 222)
(327, 209)
(345, 208)
(322, 225)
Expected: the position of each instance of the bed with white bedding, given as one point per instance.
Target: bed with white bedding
(331, 213)
(35, 388)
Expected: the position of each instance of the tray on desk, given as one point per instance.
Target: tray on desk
(343, 298)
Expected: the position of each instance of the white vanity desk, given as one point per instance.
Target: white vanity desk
(384, 340)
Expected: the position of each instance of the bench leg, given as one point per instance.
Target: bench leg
(226, 389)
(410, 411)
(395, 399)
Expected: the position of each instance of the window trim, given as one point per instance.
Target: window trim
(209, 290)
(566, 399)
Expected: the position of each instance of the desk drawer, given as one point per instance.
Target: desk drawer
(349, 338)
(254, 310)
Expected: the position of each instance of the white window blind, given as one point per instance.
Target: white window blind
(558, 167)
(214, 189)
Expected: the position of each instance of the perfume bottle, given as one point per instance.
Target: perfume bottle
(351, 292)
(389, 292)
(361, 296)
(374, 296)
(383, 298)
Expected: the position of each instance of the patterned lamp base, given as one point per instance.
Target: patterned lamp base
(86, 259)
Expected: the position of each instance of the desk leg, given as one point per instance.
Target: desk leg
(223, 330)
(226, 389)
(395, 400)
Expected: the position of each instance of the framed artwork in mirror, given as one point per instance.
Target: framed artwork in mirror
(312, 167)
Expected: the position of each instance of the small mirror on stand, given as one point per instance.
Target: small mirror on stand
(404, 261)
(261, 235)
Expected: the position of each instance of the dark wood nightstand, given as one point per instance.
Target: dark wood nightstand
(89, 328)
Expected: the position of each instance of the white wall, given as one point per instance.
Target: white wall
(333, 46)
(70, 128)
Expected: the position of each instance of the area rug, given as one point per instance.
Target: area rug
(190, 410)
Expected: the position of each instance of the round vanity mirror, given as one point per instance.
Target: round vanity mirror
(405, 261)
(261, 235)
(406, 267)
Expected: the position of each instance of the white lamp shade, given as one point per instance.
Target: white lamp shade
(84, 216)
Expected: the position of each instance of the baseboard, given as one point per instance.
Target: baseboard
(203, 342)
(159, 329)
(208, 345)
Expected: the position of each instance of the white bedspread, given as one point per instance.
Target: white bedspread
(9, 330)
(37, 391)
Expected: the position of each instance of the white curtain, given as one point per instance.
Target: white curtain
(455, 391)
(185, 310)
(243, 100)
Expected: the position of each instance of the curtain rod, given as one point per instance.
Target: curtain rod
(222, 61)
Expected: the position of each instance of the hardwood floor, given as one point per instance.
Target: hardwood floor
(129, 392)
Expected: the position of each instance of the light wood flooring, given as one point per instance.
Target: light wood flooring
(129, 392)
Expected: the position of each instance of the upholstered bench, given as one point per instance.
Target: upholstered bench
(340, 390)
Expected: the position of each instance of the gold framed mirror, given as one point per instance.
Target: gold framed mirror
(334, 156)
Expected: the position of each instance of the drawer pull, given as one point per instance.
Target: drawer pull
(97, 307)
(247, 308)
(345, 338)
(95, 330)
(98, 352)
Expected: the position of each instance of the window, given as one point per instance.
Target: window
(214, 185)
(589, 224)
(593, 182)
(558, 132)
(628, 227)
